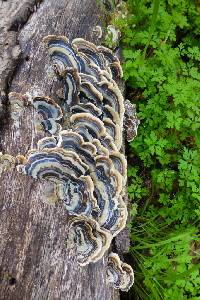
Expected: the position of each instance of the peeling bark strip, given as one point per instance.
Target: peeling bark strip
(13, 15)
(33, 258)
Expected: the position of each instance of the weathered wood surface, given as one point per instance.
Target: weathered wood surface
(34, 262)
(13, 14)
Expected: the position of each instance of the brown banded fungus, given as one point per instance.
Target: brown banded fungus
(64, 55)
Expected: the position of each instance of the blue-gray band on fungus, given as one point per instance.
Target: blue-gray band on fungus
(59, 45)
(119, 274)
(72, 141)
(86, 108)
(91, 51)
(90, 240)
(113, 61)
(47, 142)
(50, 113)
(47, 108)
(77, 195)
(47, 162)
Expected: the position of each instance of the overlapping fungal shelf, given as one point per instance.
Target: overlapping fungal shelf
(6, 162)
(85, 163)
(119, 273)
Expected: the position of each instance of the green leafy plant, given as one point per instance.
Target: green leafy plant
(161, 50)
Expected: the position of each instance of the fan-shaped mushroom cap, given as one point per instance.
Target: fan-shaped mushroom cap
(90, 128)
(48, 108)
(114, 131)
(112, 106)
(128, 277)
(73, 141)
(107, 183)
(106, 169)
(117, 158)
(113, 61)
(108, 54)
(49, 112)
(110, 113)
(80, 54)
(97, 30)
(6, 162)
(86, 108)
(101, 150)
(72, 86)
(108, 187)
(48, 125)
(112, 97)
(91, 51)
(47, 142)
(54, 164)
(112, 216)
(116, 70)
(95, 101)
(66, 170)
(98, 73)
(51, 40)
(94, 126)
(77, 195)
(119, 273)
(120, 163)
(83, 131)
(90, 240)
(100, 56)
(92, 93)
(105, 91)
(107, 142)
(117, 220)
(63, 55)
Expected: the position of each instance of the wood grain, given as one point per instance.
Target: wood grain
(13, 15)
(35, 263)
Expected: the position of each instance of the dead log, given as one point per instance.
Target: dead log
(34, 262)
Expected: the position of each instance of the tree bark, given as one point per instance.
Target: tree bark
(35, 263)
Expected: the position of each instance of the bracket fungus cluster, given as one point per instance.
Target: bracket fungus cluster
(84, 163)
